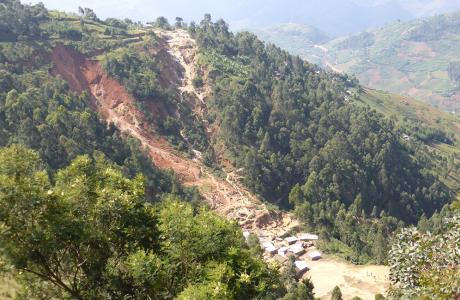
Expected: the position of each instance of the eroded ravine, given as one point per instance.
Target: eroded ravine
(228, 197)
(225, 196)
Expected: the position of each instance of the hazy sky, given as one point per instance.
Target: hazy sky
(333, 16)
(145, 10)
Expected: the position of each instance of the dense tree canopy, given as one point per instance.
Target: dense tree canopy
(18, 21)
(426, 265)
(92, 235)
(303, 144)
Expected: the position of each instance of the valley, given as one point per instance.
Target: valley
(186, 161)
(412, 58)
(226, 196)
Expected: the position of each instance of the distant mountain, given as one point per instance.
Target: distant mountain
(332, 16)
(419, 58)
(335, 17)
(299, 38)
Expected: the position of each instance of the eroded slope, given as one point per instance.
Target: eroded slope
(117, 106)
(225, 196)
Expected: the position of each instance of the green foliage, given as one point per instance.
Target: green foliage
(179, 23)
(162, 22)
(197, 81)
(90, 234)
(379, 297)
(336, 294)
(300, 290)
(68, 232)
(254, 244)
(286, 123)
(222, 65)
(361, 40)
(435, 28)
(427, 265)
(137, 71)
(122, 24)
(88, 14)
(18, 21)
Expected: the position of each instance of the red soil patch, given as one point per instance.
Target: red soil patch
(117, 106)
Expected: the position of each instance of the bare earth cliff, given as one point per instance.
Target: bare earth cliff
(225, 196)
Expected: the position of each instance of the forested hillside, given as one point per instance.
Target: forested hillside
(84, 214)
(344, 168)
(87, 107)
(417, 58)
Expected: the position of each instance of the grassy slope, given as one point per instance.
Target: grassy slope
(407, 110)
(413, 110)
(403, 62)
(101, 42)
(409, 58)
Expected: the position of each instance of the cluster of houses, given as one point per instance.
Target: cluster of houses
(300, 246)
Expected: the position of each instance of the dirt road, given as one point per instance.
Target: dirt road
(362, 281)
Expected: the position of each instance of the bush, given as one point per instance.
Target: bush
(197, 81)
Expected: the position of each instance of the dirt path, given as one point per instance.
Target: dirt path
(225, 196)
(228, 197)
(326, 62)
(362, 281)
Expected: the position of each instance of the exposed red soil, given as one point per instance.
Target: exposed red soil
(226, 196)
(116, 105)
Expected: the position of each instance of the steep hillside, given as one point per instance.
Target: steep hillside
(211, 117)
(298, 38)
(417, 58)
(302, 141)
(119, 107)
(88, 207)
(421, 123)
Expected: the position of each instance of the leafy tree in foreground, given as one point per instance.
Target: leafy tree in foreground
(92, 235)
(341, 166)
(300, 290)
(336, 294)
(427, 265)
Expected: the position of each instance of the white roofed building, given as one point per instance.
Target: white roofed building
(291, 239)
(307, 237)
(271, 249)
(314, 255)
(301, 267)
(282, 251)
(296, 249)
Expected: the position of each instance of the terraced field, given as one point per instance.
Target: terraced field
(419, 58)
